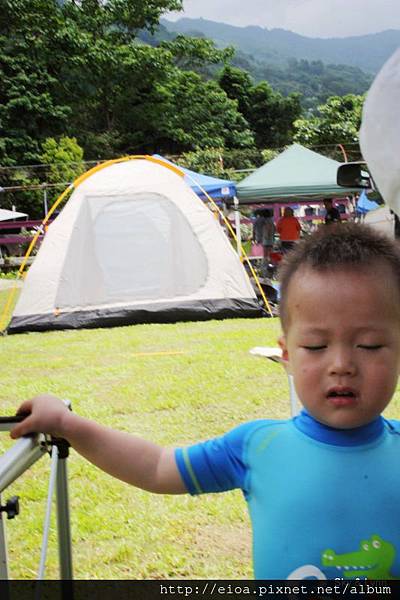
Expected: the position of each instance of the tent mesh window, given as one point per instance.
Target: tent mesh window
(138, 246)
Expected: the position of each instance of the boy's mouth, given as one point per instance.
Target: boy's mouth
(342, 396)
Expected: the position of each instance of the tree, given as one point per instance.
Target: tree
(58, 63)
(272, 116)
(64, 159)
(338, 122)
(130, 98)
(119, 19)
(28, 200)
(227, 163)
(123, 99)
(76, 70)
(269, 114)
(198, 114)
(131, 15)
(29, 108)
(237, 85)
(191, 53)
(206, 160)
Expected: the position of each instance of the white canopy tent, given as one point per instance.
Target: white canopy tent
(10, 215)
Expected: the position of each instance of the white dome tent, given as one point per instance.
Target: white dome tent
(134, 244)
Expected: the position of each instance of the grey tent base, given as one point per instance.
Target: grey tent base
(200, 310)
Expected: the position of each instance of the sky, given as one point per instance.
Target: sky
(312, 18)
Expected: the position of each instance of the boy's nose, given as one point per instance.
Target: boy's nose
(342, 363)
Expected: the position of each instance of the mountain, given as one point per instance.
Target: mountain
(276, 46)
(279, 61)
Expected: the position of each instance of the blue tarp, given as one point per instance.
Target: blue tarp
(364, 204)
(218, 189)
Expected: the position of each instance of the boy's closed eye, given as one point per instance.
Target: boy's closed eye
(314, 348)
(370, 346)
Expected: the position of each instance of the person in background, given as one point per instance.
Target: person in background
(332, 214)
(268, 235)
(258, 227)
(289, 229)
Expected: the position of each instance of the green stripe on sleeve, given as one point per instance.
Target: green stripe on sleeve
(190, 471)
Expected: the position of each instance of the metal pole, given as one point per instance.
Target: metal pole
(275, 354)
(3, 548)
(18, 459)
(63, 521)
(46, 528)
(237, 226)
(45, 202)
(294, 400)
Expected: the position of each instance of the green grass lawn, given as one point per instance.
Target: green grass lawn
(203, 382)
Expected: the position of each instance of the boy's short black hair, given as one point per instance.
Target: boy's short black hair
(344, 245)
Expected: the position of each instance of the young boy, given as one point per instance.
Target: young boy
(323, 489)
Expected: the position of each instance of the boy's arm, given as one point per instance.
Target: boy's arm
(127, 457)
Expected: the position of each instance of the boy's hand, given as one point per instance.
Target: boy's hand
(45, 415)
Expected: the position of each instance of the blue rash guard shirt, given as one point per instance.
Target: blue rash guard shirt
(324, 503)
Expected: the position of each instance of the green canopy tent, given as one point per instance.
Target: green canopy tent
(296, 174)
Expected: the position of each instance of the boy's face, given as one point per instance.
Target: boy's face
(342, 342)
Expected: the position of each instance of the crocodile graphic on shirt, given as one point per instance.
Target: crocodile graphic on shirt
(373, 560)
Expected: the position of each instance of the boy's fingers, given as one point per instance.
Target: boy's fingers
(25, 408)
(15, 432)
(26, 426)
(21, 428)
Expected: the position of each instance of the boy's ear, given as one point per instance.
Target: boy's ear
(283, 347)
